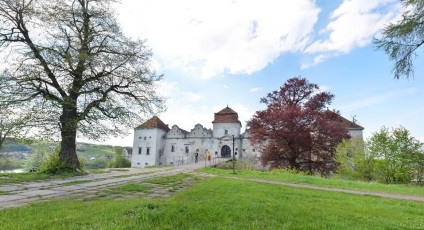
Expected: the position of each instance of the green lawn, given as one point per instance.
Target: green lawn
(223, 203)
(332, 182)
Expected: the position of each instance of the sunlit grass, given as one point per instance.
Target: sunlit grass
(222, 203)
(285, 176)
(169, 180)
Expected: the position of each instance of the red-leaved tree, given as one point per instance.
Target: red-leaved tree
(296, 130)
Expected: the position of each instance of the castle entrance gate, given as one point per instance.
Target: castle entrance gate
(226, 151)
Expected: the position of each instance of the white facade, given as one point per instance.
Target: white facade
(176, 146)
(156, 144)
(148, 146)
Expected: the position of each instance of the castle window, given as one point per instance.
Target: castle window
(146, 163)
(148, 151)
(187, 149)
(144, 138)
(139, 137)
(254, 150)
(173, 148)
(226, 131)
(139, 150)
(138, 163)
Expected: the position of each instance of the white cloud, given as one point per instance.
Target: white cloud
(256, 89)
(318, 59)
(208, 38)
(353, 24)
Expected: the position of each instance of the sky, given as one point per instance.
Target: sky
(221, 52)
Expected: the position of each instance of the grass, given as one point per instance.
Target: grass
(284, 176)
(97, 171)
(169, 180)
(4, 193)
(8, 178)
(223, 203)
(129, 189)
(123, 190)
(91, 150)
(75, 182)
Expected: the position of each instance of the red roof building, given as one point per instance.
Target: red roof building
(154, 123)
(227, 115)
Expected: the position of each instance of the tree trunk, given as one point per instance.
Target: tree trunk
(69, 125)
(293, 164)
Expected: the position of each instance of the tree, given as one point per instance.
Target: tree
(399, 155)
(402, 39)
(8, 125)
(120, 160)
(70, 61)
(35, 160)
(296, 130)
(16, 124)
(354, 161)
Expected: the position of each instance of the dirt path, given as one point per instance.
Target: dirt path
(379, 194)
(91, 185)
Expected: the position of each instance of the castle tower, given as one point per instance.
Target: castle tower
(148, 142)
(226, 125)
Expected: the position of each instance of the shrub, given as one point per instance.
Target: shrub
(52, 163)
(34, 161)
(119, 162)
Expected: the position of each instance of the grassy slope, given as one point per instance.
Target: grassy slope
(91, 150)
(222, 203)
(320, 181)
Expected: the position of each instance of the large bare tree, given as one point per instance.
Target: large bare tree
(70, 59)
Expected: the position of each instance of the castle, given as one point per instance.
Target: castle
(156, 144)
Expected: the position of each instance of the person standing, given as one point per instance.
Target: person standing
(196, 157)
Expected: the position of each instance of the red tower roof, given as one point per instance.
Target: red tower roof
(226, 115)
(154, 123)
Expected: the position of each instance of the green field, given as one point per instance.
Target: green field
(91, 150)
(223, 203)
(332, 182)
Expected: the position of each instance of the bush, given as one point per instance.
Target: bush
(9, 163)
(52, 163)
(34, 161)
(98, 163)
(119, 162)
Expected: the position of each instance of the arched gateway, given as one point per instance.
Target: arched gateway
(226, 151)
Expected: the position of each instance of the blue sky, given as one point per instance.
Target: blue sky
(218, 52)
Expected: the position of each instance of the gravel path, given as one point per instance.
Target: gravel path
(379, 194)
(89, 185)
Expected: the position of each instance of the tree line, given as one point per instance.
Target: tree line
(389, 156)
